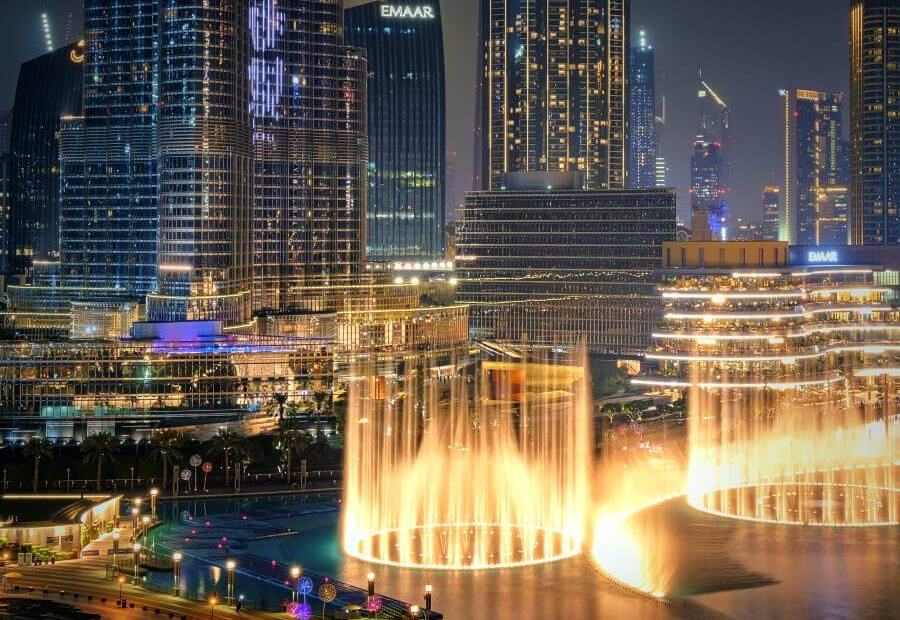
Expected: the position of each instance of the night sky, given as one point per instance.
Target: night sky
(747, 51)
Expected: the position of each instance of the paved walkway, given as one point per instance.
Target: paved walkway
(88, 577)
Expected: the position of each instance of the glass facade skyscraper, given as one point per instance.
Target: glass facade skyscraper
(642, 136)
(554, 90)
(875, 122)
(407, 128)
(565, 265)
(710, 166)
(771, 207)
(818, 121)
(49, 88)
(308, 136)
(109, 199)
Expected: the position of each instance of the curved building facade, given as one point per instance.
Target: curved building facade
(48, 89)
(407, 127)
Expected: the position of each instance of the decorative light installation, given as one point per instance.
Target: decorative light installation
(461, 464)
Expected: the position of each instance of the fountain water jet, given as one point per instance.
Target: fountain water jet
(463, 464)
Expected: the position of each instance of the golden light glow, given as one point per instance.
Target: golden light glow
(467, 465)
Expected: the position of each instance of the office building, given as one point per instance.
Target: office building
(875, 122)
(5, 170)
(831, 216)
(563, 265)
(406, 106)
(554, 90)
(307, 133)
(49, 87)
(710, 166)
(109, 210)
(771, 205)
(817, 118)
(708, 207)
(642, 136)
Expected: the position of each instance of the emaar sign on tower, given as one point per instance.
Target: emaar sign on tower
(406, 11)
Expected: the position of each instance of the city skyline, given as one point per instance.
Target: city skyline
(783, 57)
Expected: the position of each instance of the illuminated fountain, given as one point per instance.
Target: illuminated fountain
(792, 406)
(466, 465)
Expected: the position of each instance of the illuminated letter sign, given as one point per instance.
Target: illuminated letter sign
(404, 11)
(822, 256)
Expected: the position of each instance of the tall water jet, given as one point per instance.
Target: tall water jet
(463, 463)
(790, 384)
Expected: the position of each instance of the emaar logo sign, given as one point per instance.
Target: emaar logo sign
(828, 257)
(405, 11)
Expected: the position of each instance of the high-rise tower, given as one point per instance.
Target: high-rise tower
(643, 141)
(875, 122)
(406, 126)
(817, 116)
(205, 167)
(555, 89)
(710, 165)
(309, 146)
(49, 88)
(109, 203)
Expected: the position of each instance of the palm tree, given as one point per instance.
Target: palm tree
(227, 441)
(323, 404)
(99, 448)
(166, 449)
(280, 399)
(37, 448)
(291, 439)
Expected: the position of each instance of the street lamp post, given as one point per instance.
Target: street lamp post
(121, 581)
(135, 511)
(371, 579)
(427, 598)
(115, 539)
(212, 607)
(414, 611)
(136, 548)
(295, 577)
(230, 565)
(176, 558)
(153, 493)
(145, 524)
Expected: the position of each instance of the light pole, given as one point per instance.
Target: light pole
(135, 511)
(295, 577)
(153, 493)
(371, 579)
(115, 539)
(145, 524)
(136, 548)
(414, 611)
(427, 598)
(176, 558)
(230, 566)
(212, 607)
(121, 581)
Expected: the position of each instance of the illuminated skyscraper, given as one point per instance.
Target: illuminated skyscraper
(710, 166)
(771, 206)
(643, 142)
(554, 92)
(875, 122)
(708, 208)
(817, 117)
(407, 127)
(109, 209)
(205, 165)
(308, 134)
(49, 88)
